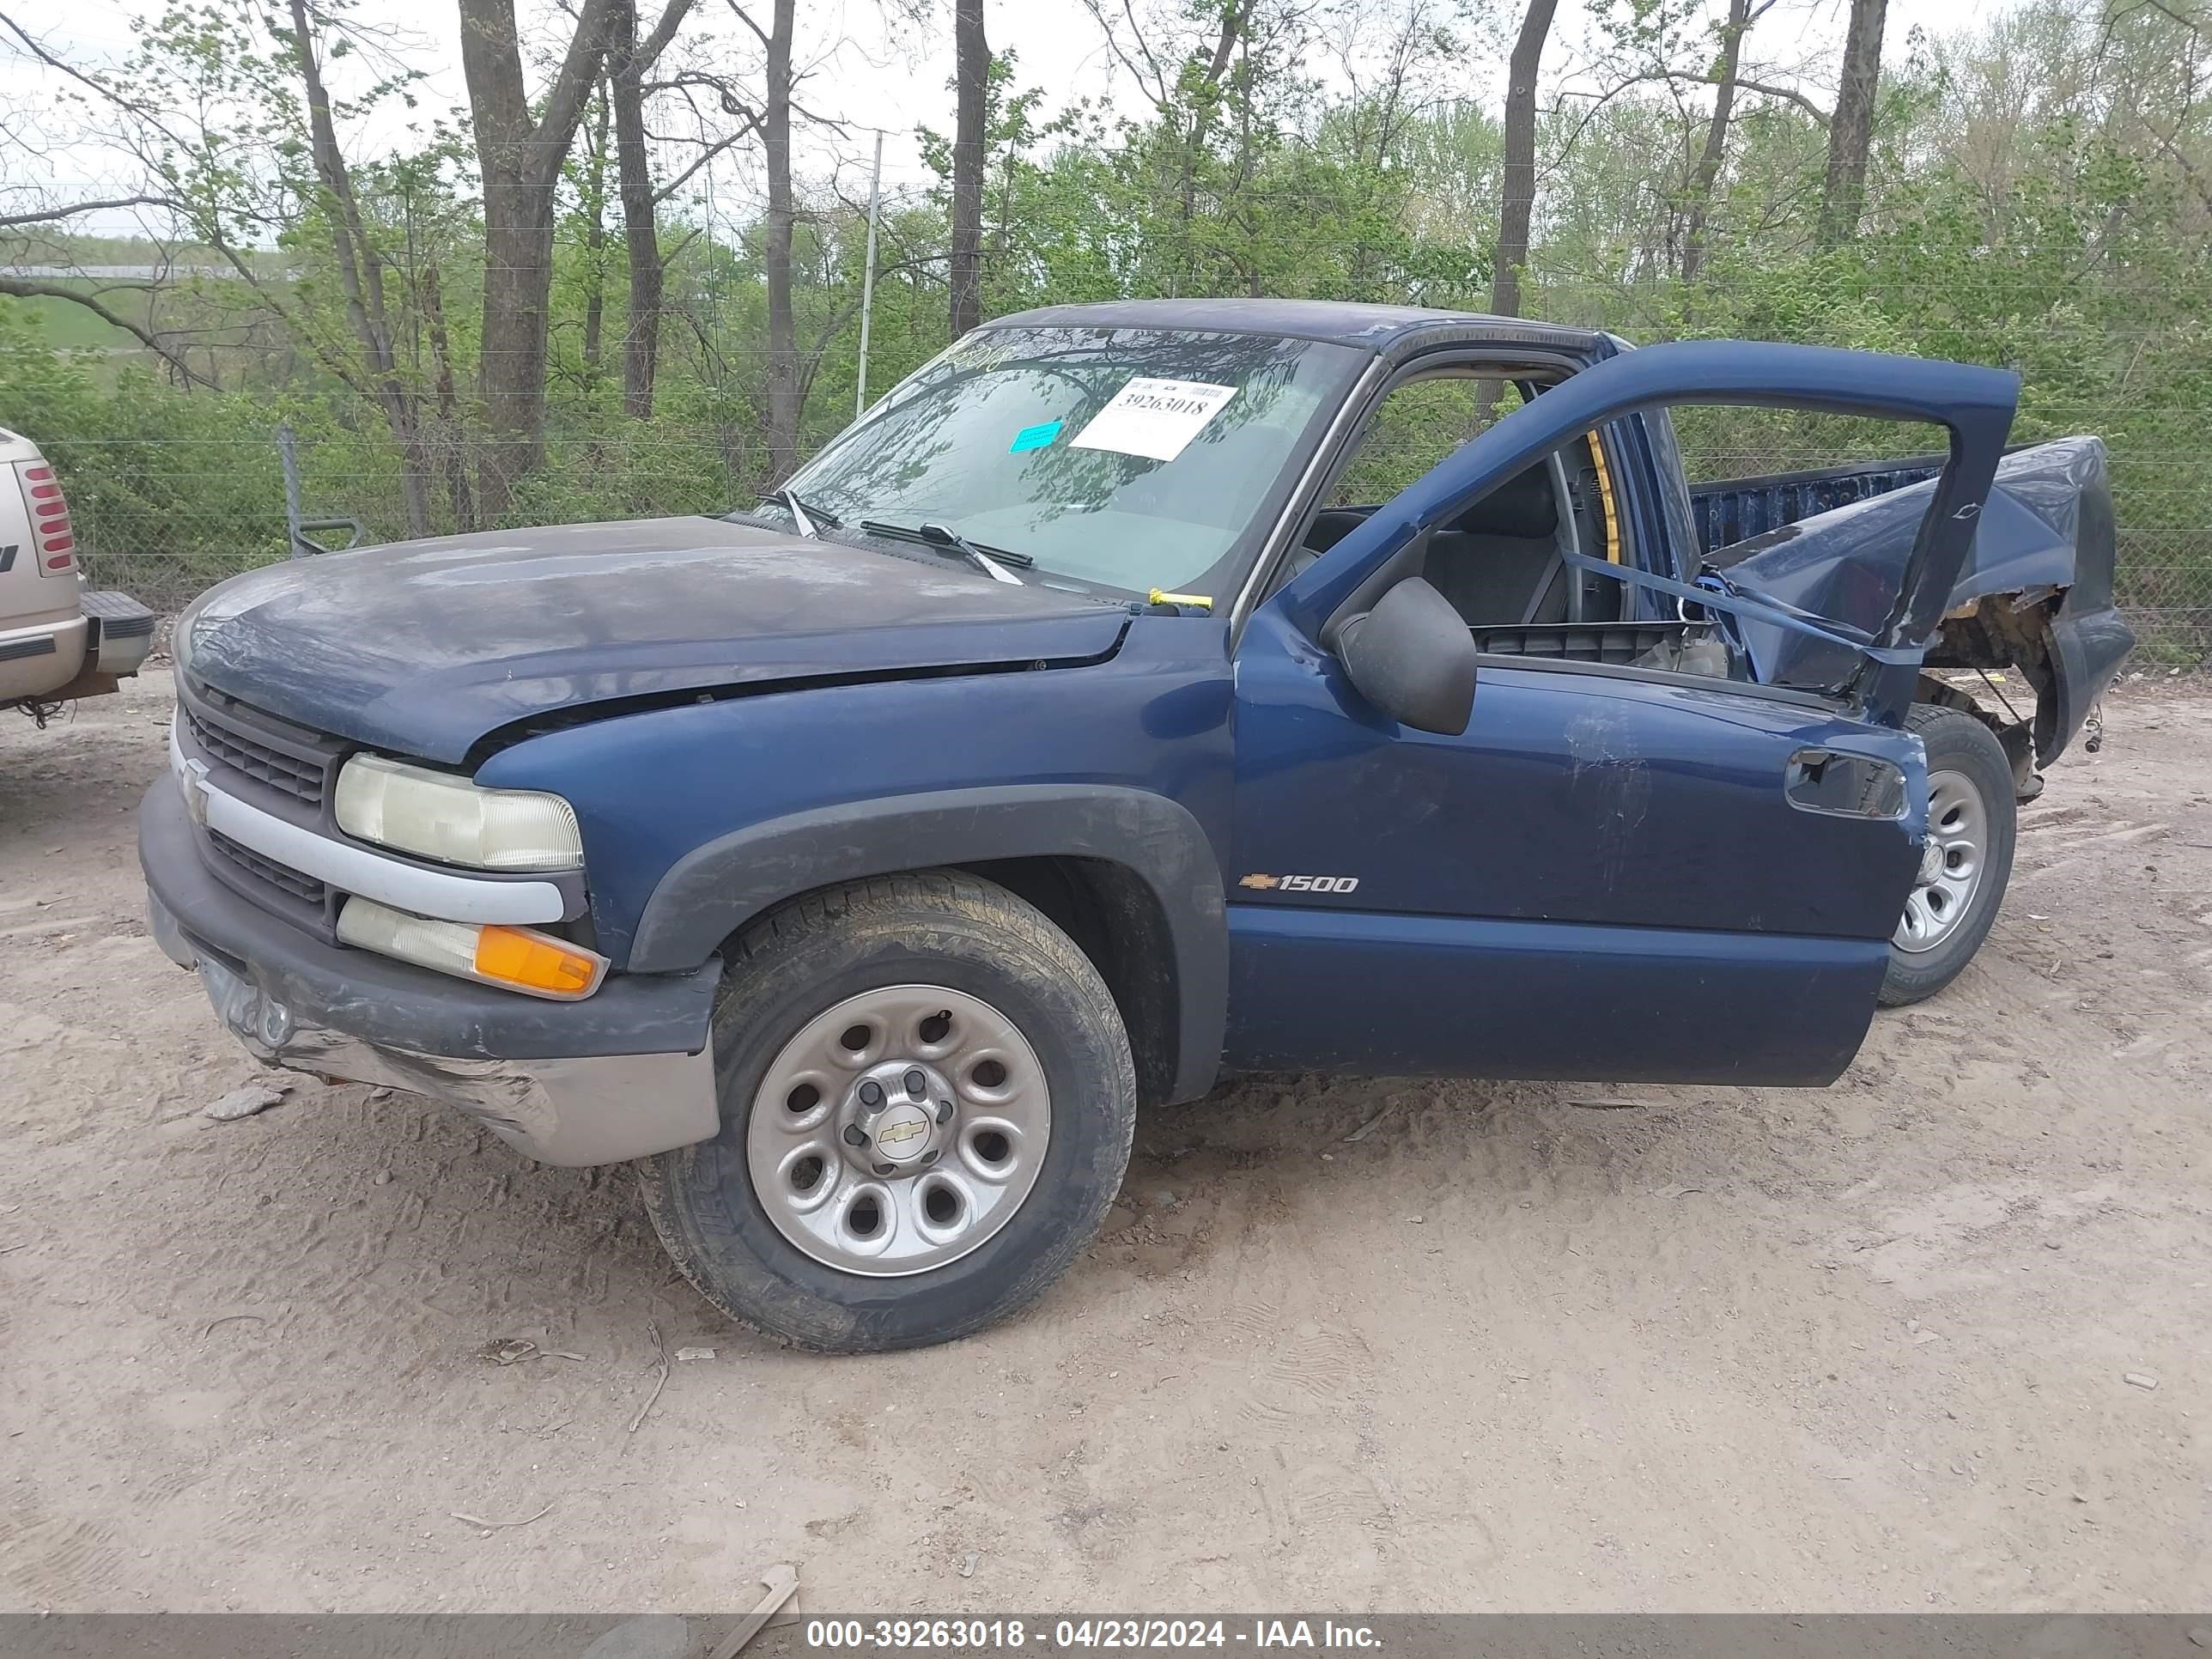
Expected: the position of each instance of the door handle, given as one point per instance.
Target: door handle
(1841, 785)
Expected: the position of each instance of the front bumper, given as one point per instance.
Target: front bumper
(625, 1073)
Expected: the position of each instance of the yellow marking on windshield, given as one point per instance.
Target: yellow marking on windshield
(1203, 601)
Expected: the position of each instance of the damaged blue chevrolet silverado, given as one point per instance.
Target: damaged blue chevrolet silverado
(1069, 735)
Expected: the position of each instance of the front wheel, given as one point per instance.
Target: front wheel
(1972, 819)
(927, 1101)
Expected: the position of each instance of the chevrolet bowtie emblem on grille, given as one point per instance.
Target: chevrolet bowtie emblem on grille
(1261, 881)
(193, 780)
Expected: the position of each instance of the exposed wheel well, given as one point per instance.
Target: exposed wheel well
(2001, 631)
(2015, 737)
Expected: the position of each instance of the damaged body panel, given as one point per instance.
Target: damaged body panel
(2034, 591)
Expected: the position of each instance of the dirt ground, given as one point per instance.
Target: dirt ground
(1365, 1345)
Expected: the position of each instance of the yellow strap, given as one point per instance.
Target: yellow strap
(1605, 500)
(1203, 601)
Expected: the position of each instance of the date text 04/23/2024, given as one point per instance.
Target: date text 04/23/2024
(923, 1634)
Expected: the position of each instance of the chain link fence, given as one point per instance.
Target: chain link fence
(166, 519)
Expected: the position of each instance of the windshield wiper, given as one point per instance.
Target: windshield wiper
(808, 518)
(992, 561)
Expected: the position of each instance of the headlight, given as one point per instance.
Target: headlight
(435, 814)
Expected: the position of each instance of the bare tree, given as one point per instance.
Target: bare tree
(450, 461)
(591, 186)
(784, 391)
(361, 278)
(162, 343)
(221, 128)
(1187, 77)
(1390, 54)
(972, 81)
(1517, 192)
(1850, 131)
(38, 207)
(520, 159)
(2166, 102)
(1740, 16)
(630, 60)
(1682, 51)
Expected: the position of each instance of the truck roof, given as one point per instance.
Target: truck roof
(1374, 327)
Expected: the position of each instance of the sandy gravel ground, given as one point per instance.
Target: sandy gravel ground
(1364, 1344)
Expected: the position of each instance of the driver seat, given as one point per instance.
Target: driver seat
(1499, 563)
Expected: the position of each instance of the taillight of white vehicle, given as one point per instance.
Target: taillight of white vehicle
(51, 533)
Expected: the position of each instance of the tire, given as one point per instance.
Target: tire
(882, 953)
(1970, 788)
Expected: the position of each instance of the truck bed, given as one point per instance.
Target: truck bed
(1732, 510)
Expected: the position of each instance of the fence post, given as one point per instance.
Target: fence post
(296, 526)
(293, 538)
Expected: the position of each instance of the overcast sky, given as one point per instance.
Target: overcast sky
(877, 79)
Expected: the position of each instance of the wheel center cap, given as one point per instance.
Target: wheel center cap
(902, 1132)
(1932, 861)
(895, 1117)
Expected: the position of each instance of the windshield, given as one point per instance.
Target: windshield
(1130, 458)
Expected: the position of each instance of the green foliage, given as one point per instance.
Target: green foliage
(168, 493)
(2038, 197)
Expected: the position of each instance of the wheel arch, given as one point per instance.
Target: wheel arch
(2067, 654)
(1127, 874)
(2015, 736)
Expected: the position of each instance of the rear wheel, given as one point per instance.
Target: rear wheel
(1972, 819)
(927, 1100)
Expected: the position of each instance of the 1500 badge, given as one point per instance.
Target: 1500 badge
(1300, 883)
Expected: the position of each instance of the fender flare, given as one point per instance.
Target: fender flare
(716, 889)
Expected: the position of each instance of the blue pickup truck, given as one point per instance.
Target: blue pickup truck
(1068, 736)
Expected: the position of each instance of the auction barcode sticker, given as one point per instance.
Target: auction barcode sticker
(1155, 418)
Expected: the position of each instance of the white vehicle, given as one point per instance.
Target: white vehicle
(59, 640)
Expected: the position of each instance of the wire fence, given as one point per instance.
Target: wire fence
(165, 518)
(168, 518)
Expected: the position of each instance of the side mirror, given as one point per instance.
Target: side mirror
(1412, 657)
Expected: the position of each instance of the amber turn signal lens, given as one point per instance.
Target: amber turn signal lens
(532, 961)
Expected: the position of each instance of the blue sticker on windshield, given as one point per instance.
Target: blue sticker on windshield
(1033, 437)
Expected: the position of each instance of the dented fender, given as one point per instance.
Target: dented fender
(2034, 591)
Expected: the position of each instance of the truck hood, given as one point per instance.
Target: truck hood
(426, 648)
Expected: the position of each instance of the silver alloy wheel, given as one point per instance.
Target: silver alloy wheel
(899, 1130)
(1951, 863)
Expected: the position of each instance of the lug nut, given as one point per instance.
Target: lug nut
(871, 1093)
(855, 1135)
(916, 1084)
(944, 1112)
(929, 1157)
(883, 1169)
